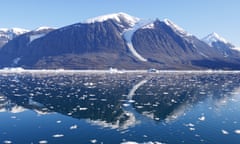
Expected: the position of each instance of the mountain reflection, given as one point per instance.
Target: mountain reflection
(113, 100)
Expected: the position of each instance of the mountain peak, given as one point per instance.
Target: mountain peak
(214, 37)
(42, 28)
(176, 28)
(17, 31)
(119, 17)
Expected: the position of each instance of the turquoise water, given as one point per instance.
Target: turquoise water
(123, 108)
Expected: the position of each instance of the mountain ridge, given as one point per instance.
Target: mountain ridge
(116, 40)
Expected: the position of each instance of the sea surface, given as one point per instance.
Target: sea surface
(120, 108)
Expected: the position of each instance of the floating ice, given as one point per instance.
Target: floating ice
(93, 141)
(192, 129)
(58, 135)
(73, 127)
(7, 142)
(225, 132)
(237, 131)
(58, 121)
(202, 118)
(13, 117)
(83, 109)
(43, 142)
(126, 105)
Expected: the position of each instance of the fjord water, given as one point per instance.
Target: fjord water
(172, 108)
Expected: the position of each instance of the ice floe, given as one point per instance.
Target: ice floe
(58, 135)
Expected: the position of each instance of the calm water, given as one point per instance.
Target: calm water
(72, 108)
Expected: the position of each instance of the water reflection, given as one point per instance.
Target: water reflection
(103, 97)
(118, 101)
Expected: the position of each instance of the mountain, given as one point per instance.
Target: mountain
(8, 34)
(115, 40)
(220, 44)
(17, 47)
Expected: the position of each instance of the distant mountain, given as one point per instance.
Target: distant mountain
(220, 44)
(17, 47)
(8, 34)
(115, 40)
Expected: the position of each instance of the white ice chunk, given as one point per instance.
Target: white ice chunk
(7, 142)
(58, 135)
(43, 142)
(73, 127)
(202, 118)
(225, 132)
(93, 141)
(237, 131)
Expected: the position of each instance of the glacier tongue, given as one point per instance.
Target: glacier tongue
(128, 33)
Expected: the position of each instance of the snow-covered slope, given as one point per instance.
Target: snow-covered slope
(221, 44)
(180, 31)
(43, 28)
(118, 17)
(12, 32)
(128, 33)
(214, 37)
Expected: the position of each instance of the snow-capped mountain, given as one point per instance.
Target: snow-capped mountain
(119, 41)
(213, 38)
(121, 18)
(8, 34)
(219, 43)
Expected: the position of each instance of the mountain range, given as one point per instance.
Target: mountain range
(116, 40)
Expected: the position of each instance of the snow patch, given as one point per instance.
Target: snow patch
(149, 26)
(236, 48)
(16, 60)
(36, 36)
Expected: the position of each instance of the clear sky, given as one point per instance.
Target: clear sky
(199, 17)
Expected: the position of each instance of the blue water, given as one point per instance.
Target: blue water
(123, 108)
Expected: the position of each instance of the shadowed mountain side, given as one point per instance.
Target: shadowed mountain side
(120, 41)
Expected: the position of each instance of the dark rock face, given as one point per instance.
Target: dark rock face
(3, 41)
(101, 45)
(162, 45)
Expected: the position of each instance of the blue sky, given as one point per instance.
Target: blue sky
(199, 17)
